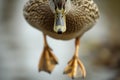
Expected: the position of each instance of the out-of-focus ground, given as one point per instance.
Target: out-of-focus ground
(21, 45)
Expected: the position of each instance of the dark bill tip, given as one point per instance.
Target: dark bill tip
(59, 32)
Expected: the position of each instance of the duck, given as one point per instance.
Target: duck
(61, 20)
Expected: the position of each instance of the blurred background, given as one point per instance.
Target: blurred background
(21, 45)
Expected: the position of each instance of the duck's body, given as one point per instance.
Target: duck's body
(81, 17)
(61, 19)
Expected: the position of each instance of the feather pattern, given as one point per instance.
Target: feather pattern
(81, 17)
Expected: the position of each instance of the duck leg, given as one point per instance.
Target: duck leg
(74, 64)
(48, 60)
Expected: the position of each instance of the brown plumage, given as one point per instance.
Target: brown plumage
(82, 15)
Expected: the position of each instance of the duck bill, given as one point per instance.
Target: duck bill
(60, 22)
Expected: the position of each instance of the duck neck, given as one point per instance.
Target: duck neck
(68, 6)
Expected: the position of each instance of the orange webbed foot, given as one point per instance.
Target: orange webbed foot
(75, 66)
(47, 61)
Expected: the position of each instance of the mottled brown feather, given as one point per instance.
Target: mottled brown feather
(81, 17)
